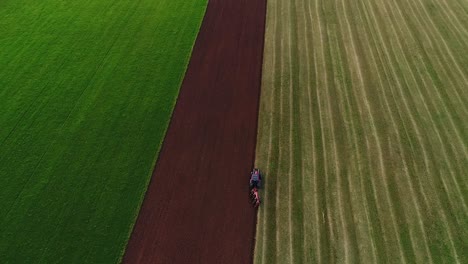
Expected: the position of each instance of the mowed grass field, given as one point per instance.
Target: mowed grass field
(86, 92)
(363, 132)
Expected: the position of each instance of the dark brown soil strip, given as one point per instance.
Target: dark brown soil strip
(196, 209)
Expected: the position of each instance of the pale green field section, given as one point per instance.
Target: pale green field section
(363, 132)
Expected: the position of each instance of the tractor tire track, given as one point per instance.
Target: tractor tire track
(309, 132)
(290, 130)
(268, 62)
(323, 206)
(282, 232)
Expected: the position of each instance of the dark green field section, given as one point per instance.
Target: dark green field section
(86, 93)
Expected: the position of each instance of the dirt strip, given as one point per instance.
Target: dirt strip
(196, 209)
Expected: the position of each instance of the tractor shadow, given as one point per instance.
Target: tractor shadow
(263, 183)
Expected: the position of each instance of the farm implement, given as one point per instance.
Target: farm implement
(254, 185)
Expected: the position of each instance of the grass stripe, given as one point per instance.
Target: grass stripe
(405, 166)
(372, 129)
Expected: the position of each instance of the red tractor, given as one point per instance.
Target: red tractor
(254, 184)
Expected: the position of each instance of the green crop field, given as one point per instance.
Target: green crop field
(86, 92)
(363, 132)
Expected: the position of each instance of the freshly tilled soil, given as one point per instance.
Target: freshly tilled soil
(196, 209)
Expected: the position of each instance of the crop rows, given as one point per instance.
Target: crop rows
(363, 132)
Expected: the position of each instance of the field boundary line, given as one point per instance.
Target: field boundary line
(270, 125)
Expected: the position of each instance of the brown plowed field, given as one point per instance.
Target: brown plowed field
(196, 208)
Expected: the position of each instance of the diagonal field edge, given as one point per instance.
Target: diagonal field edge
(196, 208)
(254, 155)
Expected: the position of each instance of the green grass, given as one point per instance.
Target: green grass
(363, 132)
(86, 92)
